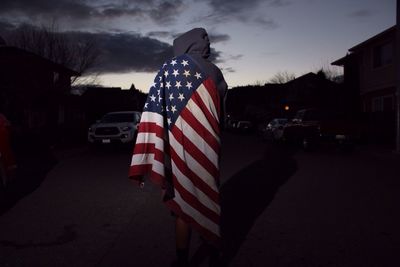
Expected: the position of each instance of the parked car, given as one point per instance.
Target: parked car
(242, 126)
(274, 129)
(115, 127)
(312, 127)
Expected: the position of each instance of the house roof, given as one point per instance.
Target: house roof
(340, 61)
(15, 52)
(381, 35)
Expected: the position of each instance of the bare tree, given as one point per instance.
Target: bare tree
(282, 77)
(331, 73)
(66, 49)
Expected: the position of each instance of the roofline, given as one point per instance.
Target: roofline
(48, 61)
(340, 61)
(379, 35)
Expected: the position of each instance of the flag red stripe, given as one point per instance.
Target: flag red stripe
(213, 91)
(136, 172)
(200, 184)
(200, 129)
(195, 203)
(196, 153)
(151, 127)
(210, 118)
(148, 148)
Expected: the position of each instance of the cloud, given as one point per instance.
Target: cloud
(362, 13)
(223, 11)
(217, 38)
(123, 53)
(75, 9)
(158, 11)
(235, 57)
(279, 3)
(228, 70)
(266, 23)
(160, 34)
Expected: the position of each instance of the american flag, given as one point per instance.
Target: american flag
(178, 144)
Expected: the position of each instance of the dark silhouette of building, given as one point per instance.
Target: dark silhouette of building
(30, 91)
(369, 73)
(262, 103)
(97, 101)
(313, 91)
(255, 103)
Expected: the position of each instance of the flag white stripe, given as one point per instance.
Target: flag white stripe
(152, 117)
(197, 140)
(189, 186)
(150, 138)
(143, 159)
(207, 100)
(192, 164)
(196, 111)
(196, 215)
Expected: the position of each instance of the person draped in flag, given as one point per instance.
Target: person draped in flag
(178, 142)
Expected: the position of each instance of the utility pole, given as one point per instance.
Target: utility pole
(397, 66)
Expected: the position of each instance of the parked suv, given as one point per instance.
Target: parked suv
(312, 126)
(115, 127)
(274, 129)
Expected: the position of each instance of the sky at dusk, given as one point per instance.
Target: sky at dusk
(251, 40)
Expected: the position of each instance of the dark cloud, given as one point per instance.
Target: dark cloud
(166, 11)
(159, 11)
(228, 70)
(235, 57)
(266, 23)
(73, 9)
(238, 10)
(233, 7)
(217, 38)
(214, 37)
(160, 34)
(280, 3)
(362, 13)
(6, 26)
(121, 53)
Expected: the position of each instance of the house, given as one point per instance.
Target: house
(255, 103)
(263, 103)
(30, 91)
(312, 90)
(369, 72)
(99, 100)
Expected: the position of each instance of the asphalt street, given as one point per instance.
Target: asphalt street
(281, 207)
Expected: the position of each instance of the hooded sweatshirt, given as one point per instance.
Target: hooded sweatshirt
(196, 44)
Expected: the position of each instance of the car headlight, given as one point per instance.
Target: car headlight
(126, 128)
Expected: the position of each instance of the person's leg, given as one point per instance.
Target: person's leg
(183, 234)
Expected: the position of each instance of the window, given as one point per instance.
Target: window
(383, 55)
(377, 104)
(56, 77)
(383, 103)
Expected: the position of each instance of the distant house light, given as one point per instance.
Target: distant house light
(286, 107)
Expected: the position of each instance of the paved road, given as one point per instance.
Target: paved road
(281, 208)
